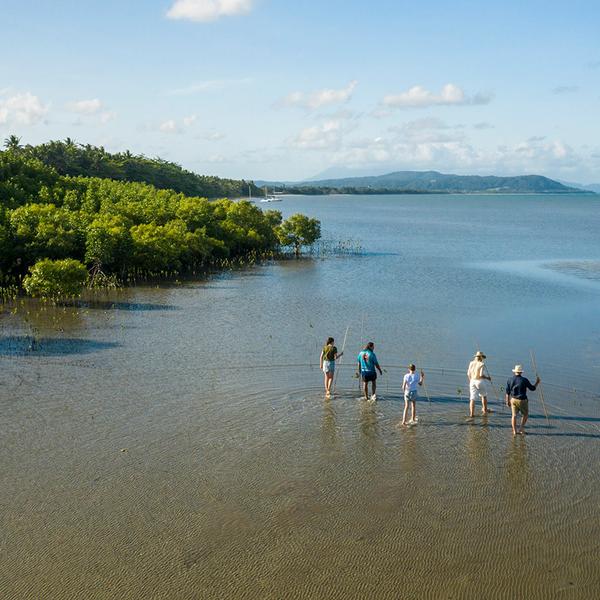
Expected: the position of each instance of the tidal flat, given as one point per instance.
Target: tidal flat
(174, 441)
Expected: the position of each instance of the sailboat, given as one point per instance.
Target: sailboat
(271, 198)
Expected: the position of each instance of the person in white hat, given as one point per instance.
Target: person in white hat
(516, 397)
(477, 376)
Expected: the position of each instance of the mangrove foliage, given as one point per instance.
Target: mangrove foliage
(61, 232)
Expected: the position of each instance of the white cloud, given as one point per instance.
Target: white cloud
(107, 116)
(407, 153)
(209, 85)
(537, 150)
(172, 126)
(428, 129)
(91, 108)
(208, 10)
(86, 107)
(426, 144)
(21, 109)
(320, 137)
(217, 158)
(419, 97)
(169, 126)
(320, 98)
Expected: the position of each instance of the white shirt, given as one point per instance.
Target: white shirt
(411, 380)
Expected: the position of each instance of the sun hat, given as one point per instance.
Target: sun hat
(518, 369)
(480, 354)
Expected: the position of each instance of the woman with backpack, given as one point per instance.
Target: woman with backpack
(329, 355)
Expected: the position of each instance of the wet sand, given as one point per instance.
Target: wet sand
(151, 446)
(119, 487)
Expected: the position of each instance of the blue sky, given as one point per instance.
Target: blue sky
(270, 89)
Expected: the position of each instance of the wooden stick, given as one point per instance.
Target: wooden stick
(492, 384)
(424, 384)
(540, 386)
(343, 347)
(362, 345)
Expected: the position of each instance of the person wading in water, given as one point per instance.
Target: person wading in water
(409, 387)
(329, 355)
(516, 397)
(477, 386)
(367, 364)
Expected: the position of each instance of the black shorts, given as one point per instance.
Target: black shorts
(366, 377)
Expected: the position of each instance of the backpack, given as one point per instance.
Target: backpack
(329, 352)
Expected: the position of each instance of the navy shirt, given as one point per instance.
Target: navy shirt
(517, 386)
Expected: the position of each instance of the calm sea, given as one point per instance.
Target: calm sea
(173, 441)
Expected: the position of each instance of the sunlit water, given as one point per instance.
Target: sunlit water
(174, 441)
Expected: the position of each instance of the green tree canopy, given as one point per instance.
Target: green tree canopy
(121, 229)
(299, 230)
(56, 279)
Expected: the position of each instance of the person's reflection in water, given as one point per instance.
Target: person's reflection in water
(370, 440)
(330, 435)
(410, 455)
(517, 470)
(477, 442)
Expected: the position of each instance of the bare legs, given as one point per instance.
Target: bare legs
(484, 406)
(513, 420)
(328, 382)
(413, 406)
(366, 388)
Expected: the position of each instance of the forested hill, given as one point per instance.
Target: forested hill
(432, 181)
(70, 158)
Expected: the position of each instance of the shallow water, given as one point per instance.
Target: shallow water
(173, 441)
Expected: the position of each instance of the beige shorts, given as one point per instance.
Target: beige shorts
(521, 406)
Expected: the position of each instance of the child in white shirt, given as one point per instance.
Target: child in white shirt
(409, 387)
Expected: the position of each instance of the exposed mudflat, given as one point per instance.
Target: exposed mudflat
(174, 442)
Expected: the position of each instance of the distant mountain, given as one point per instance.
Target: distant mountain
(433, 181)
(428, 182)
(589, 187)
(344, 173)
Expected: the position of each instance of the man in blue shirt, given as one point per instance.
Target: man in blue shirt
(516, 397)
(368, 366)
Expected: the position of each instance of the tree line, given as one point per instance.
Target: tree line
(70, 158)
(312, 190)
(57, 230)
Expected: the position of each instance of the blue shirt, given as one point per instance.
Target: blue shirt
(367, 361)
(517, 386)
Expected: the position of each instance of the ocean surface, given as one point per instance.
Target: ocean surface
(173, 440)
